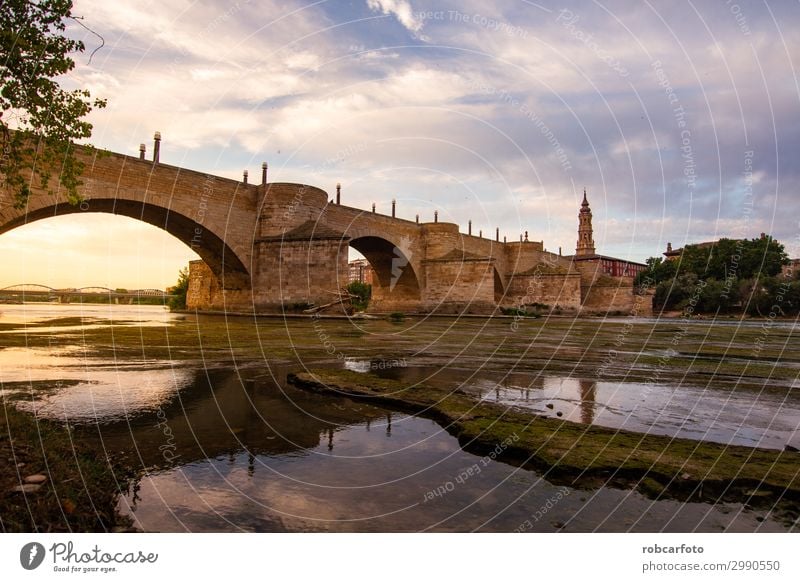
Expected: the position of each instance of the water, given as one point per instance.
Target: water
(94, 315)
(766, 418)
(224, 447)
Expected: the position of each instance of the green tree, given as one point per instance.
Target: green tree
(38, 118)
(728, 258)
(364, 293)
(677, 293)
(658, 270)
(179, 290)
(718, 296)
(762, 257)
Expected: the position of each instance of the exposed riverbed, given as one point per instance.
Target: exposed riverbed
(199, 405)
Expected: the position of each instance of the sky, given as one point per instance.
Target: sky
(681, 119)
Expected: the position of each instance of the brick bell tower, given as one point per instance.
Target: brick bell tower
(585, 242)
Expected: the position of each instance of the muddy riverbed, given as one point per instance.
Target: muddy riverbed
(200, 408)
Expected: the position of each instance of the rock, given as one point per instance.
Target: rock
(37, 479)
(550, 406)
(362, 315)
(791, 449)
(69, 506)
(557, 524)
(559, 414)
(27, 488)
(757, 493)
(686, 476)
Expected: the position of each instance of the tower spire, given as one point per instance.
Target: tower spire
(585, 240)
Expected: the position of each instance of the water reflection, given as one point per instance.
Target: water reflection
(766, 418)
(250, 455)
(238, 450)
(34, 314)
(588, 390)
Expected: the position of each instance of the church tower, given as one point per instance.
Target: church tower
(585, 241)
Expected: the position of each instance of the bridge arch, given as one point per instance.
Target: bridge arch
(499, 288)
(395, 282)
(220, 257)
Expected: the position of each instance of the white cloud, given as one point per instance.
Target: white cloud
(402, 11)
(233, 85)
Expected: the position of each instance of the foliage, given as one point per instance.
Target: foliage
(530, 310)
(178, 301)
(730, 275)
(364, 293)
(771, 296)
(38, 118)
(658, 270)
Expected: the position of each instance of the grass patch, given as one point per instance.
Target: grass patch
(80, 493)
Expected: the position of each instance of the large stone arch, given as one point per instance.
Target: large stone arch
(215, 252)
(396, 283)
(214, 216)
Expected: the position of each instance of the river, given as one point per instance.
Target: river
(222, 443)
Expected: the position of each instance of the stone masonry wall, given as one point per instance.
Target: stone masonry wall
(455, 286)
(559, 291)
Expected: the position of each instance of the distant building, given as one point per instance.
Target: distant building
(675, 254)
(361, 271)
(586, 258)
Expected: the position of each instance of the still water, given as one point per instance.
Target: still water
(226, 447)
(766, 417)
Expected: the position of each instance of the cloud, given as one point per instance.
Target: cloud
(478, 124)
(402, 11)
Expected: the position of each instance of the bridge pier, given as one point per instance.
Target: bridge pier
(300, 268)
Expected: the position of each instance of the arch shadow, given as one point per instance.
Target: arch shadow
(395, 281)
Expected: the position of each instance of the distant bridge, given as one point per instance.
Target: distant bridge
(65, 295)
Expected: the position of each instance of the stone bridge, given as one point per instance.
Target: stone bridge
(277, 246)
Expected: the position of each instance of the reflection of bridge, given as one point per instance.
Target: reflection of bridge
(34, 291)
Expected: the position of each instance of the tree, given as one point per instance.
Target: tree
(364, 293)
(658, 270)
(38, 118)
(179, 290)
(762, 257)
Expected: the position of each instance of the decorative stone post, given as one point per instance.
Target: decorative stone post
(157, 147)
